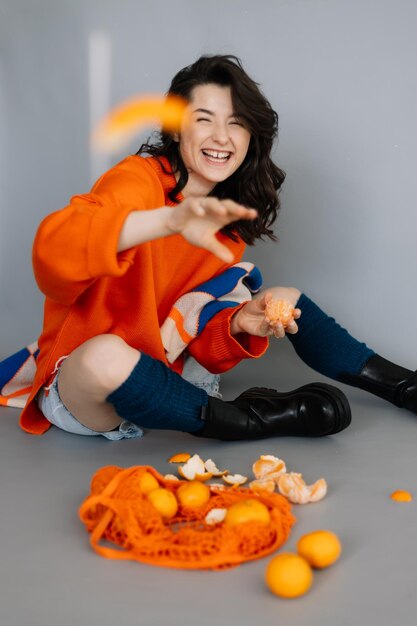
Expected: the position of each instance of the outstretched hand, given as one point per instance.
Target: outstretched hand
(199, 219)
(251, 319)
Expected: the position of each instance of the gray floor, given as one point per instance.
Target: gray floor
(49, 575)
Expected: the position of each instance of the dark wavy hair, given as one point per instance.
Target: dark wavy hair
(257, 181)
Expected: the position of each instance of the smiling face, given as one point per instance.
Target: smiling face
(213, 143)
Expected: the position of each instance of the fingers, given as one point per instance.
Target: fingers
(229, 210)
(219, 250)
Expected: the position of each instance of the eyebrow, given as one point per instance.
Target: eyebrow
(210, 112)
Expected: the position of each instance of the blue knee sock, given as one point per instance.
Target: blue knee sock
(153, 396)
(324, 345)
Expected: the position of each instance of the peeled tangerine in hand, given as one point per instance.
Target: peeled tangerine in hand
(280, 311)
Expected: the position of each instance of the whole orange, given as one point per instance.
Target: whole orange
(288, 575)
(320, 548)
(194, 494)
(249, 510)
(164, 501)
(147, 482)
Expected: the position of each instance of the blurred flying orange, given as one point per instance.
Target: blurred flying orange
(125, 120)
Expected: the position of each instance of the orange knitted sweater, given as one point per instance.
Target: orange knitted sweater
(90, 289)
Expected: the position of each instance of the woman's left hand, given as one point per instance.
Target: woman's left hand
(251, 319)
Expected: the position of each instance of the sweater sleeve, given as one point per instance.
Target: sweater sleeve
(218, 350)
(78, 244)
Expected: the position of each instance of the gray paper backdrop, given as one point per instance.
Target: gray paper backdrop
(342, 76)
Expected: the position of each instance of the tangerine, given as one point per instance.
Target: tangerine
(164, 501)
(288, 575)
(320, 548)
(401, 496)
(194, 494)
(249, 510)
(147, 482)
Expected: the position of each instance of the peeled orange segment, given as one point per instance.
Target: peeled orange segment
(235, 479)
(181, 457)
(280, 311)
(194, 469)
(125, 120)
(294, 488)
(318, 490)
(268, 466)
(401, 496)
(263, 484)
(212, 468)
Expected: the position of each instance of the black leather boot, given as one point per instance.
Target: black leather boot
(386, 380)
(311, 411)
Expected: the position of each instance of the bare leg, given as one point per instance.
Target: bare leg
(90, 374)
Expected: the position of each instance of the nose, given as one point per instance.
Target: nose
(220, 133)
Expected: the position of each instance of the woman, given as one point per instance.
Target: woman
(116, 262)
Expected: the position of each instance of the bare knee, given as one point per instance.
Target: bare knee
(102, 363)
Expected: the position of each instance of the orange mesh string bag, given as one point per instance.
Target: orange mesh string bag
(123, 524)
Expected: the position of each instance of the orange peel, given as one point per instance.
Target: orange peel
(268, 466)
(194, 469)
(215, 516)
(401, 496)
(211, 467)
(235, 479)
(171, 477)
(181, 457)
(294, 488)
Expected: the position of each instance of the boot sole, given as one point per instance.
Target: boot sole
(335, 396)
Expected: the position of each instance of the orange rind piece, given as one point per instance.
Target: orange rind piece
(181, 457)
(194, 469)
(294, 488)
(215, 516)
(171, 477)
(401, 496)
(217, 486)
(211, 467)
(279, 311)
(235, 479)
(268, 466)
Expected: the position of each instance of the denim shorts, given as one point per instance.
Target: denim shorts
(57, 414)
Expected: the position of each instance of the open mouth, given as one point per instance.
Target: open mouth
(217, 156)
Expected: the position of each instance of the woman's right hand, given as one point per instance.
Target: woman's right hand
(199, 219)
